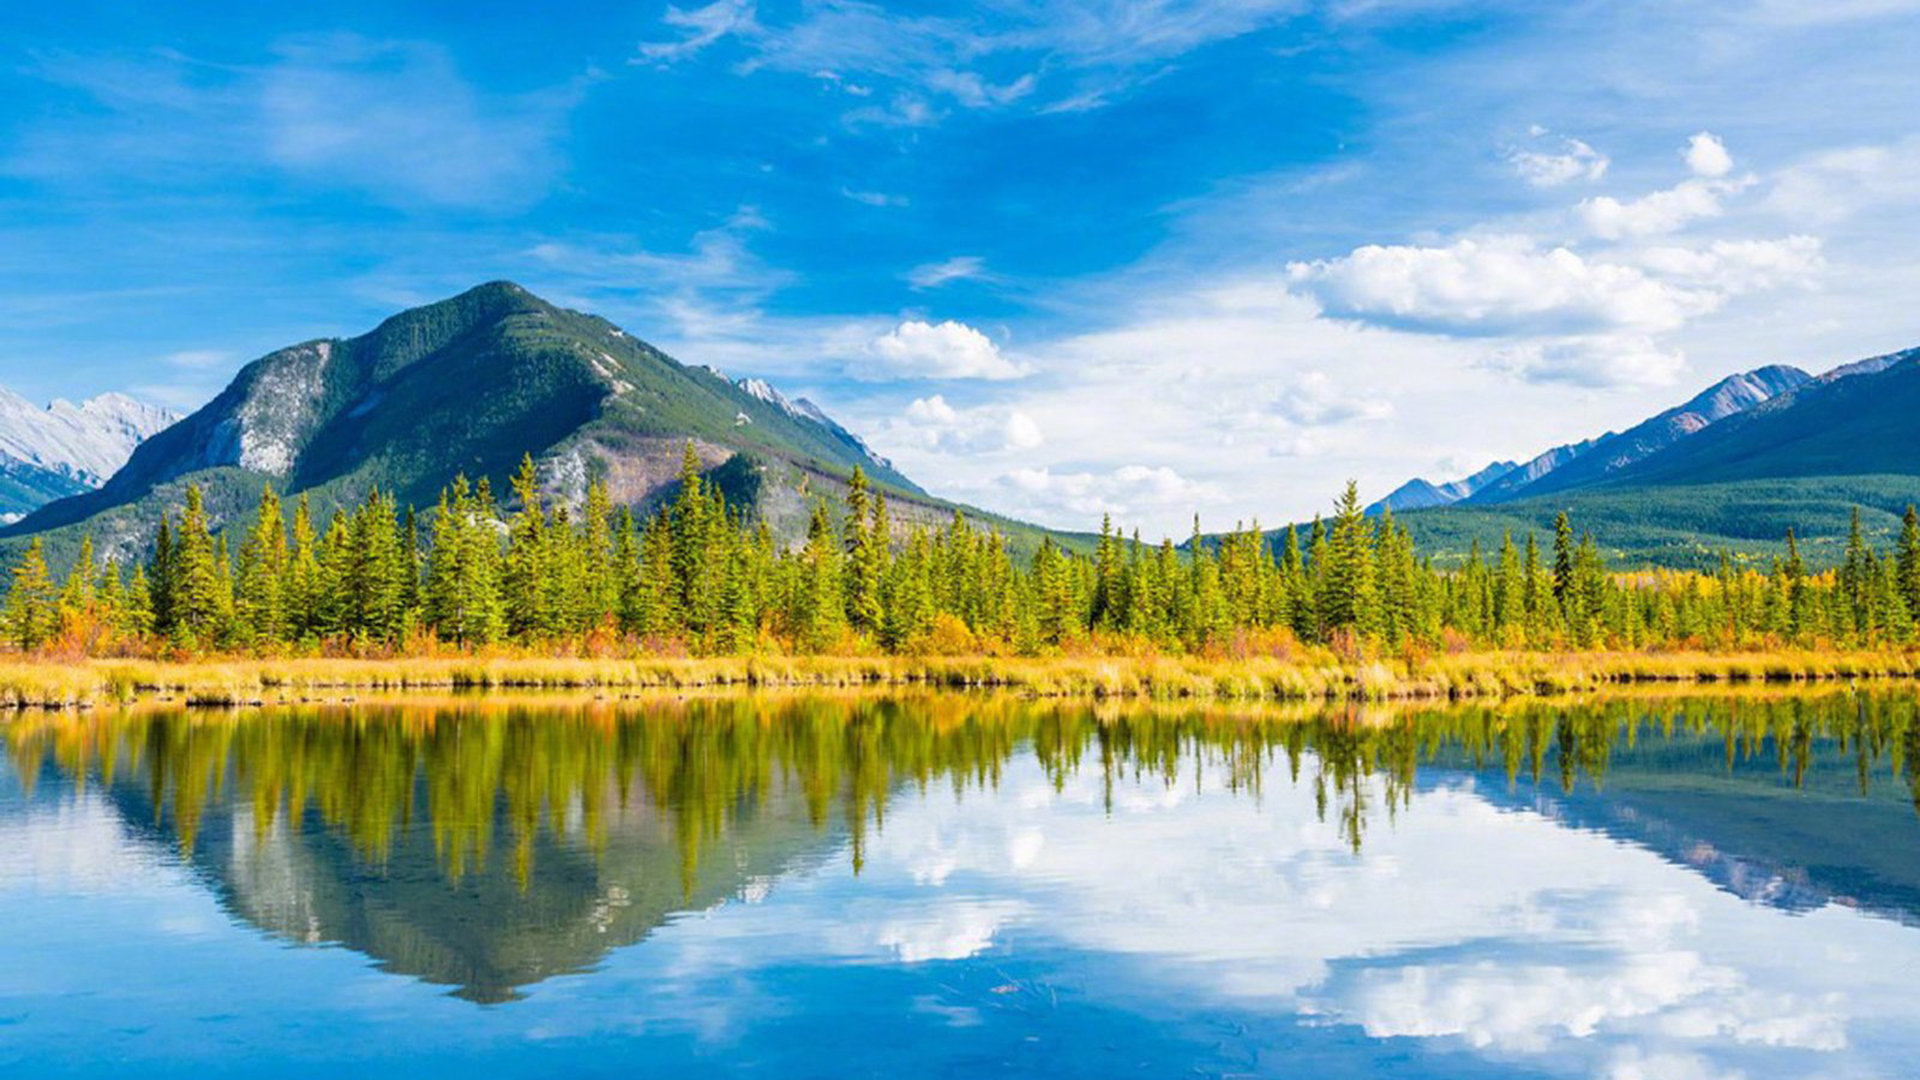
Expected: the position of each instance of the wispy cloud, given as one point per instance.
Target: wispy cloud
(991, 59)
(935, 274)
(393, 120)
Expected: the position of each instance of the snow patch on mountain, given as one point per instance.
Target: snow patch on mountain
(85, 442)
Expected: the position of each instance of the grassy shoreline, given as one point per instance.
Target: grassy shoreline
(47, 684)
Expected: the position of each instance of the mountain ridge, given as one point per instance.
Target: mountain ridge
(63, 449)
(469, 385)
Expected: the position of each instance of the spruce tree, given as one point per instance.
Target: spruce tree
(1907, 562)
(33, 612)
(196, 602)
(260, 600)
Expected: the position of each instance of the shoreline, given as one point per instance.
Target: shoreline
(54, 685)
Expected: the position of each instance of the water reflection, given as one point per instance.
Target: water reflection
(488, 847)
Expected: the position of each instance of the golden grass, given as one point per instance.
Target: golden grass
(1304, 676)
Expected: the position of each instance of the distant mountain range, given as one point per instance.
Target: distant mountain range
(65, 449)
(1607, 456)
(1732, 468)
(469, 385)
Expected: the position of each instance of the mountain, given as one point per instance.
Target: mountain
(1576, 464)
(469, 385)
(1418, 494)
(66, 449)
(1855, 420)
(1730, 470)
(1609, 454)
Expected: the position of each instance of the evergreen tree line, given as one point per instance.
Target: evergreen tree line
(702, 575)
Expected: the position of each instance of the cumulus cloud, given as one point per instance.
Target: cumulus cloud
(931, 423)
(1733, 266)
(944, 350)
(1572, 159)
(1596, 362)
(1314, 400)
(1127, 491)
(1500, 286)
(1707, 156)
(1660, 212)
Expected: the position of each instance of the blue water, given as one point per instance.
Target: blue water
(947, 887)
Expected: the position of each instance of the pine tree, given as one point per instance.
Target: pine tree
(136, 605)
(1563, 555)
(302, 602)
(195, 594)
(260, 601)
(525, 585)
(33, 611)
(1350, 602)
(1907, 562)
(819, 606)
(866, 556)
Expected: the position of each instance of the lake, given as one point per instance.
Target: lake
(940, 884)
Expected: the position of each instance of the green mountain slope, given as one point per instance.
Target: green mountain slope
(1857, 424)
(468, 385)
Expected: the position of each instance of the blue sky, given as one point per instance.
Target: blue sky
(1155, 257)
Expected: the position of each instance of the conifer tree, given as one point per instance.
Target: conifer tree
(1349, 601)
(1907, 562)
(33, 611)
(866, 556)
(260, 600)
(195, 577)
(525, 585)
(302, 602)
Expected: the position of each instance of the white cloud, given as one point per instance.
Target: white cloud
(1707, 156)
(1735, 266)
(700, 27)
(1597, 362)
(1659, 212)
(395, 120)
(944, 350)
(1836, 184)
(1573, 160)
(904, 111)
(1498, 286)
(1128, 492)
(876, 198)
(1314, 401)
(1097, 47)
(969, 89)
(398, 119)
(935, 274)
(930, 423)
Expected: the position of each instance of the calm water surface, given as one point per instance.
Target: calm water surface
(946, 885)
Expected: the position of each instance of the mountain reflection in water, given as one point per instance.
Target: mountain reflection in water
(489, 846)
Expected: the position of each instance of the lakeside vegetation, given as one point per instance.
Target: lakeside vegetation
(698, 595)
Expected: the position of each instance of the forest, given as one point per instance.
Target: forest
(700, 577)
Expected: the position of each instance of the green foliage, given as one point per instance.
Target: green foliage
(702, 574)
(32, 608)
